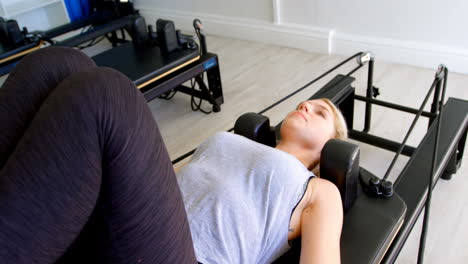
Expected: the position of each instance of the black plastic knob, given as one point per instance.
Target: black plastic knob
(374, 183)
(386, 188)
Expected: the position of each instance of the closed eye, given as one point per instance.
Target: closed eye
(322, 112)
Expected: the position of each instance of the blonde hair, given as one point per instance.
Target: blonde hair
(341, 129)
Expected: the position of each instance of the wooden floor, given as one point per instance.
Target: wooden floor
(256, 75)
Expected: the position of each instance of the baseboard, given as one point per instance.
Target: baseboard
(403, 52)
(307, 38)
(319, 40)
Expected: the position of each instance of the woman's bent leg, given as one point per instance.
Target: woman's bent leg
(31, 81)
(91, 182)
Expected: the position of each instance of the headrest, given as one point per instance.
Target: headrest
(339, 163)
(255, 127)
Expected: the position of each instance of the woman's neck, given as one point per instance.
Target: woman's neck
(308, 157)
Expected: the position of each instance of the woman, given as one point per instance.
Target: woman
(245, 200)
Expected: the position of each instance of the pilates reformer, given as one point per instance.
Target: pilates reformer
(106, 17)
(379, 215)
(159, 71)
(160, 62)
(157, 62)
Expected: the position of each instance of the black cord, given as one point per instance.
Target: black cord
(197, 31)
(199, 40)
(193, 104)
(169, 95)
(196, 106)
(92, 43)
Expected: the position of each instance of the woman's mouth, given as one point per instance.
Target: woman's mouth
(301, 114)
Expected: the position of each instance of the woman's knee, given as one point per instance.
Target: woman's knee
(28, 86)
(101, 89)
(34, 79)
(44, 69)
(108, 99)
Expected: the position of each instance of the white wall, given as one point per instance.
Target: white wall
(301, 12)
(256, 9)
(414, 20)
(418, 32)
(35, 15)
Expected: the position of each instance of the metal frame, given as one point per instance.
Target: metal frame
(207, 64)
(369, 100)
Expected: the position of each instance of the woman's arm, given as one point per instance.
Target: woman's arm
(321, 223)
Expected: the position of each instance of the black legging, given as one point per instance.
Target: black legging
(84, 174)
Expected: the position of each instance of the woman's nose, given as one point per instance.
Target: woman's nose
(304, 107)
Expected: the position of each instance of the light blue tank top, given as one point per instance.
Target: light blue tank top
(239, 196)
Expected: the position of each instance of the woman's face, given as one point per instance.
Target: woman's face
(311, 124)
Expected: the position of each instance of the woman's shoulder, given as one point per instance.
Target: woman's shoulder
(321, 190)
